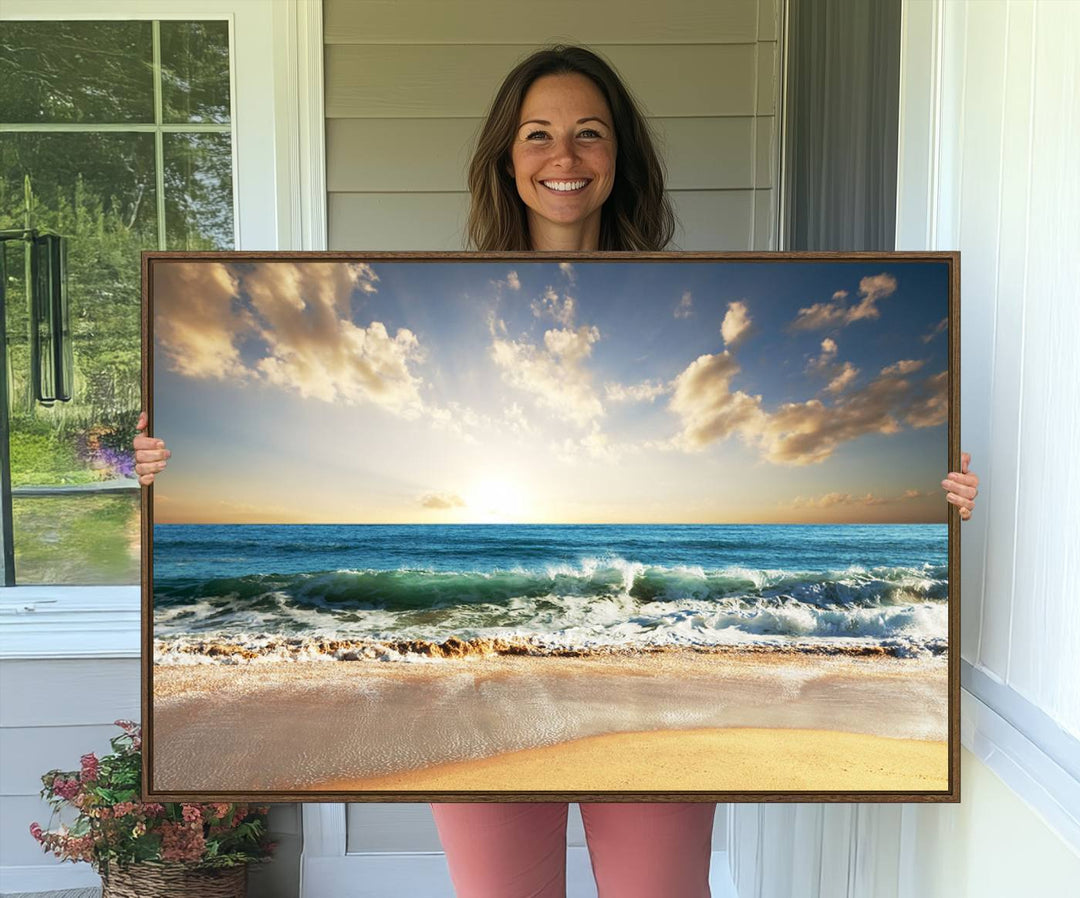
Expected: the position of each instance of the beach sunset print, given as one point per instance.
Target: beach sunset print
(538, 526)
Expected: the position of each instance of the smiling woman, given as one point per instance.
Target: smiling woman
(563, 160)
(564, 116)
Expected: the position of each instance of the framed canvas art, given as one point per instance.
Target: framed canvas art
(615, 526)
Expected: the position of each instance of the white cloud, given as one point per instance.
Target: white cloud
(709, 410)
(736, 323)
(460, 420)
(301, 314)
(555, 374)
(938, 328)
(837, 313)
(567, 269)
(367, 365)
(594, 446)
(802, 433)
(831, 500)
(198, 319)
(561, 310)
(902, 368)
(515, 419)
(685, 308)
(646, 391)
(442, 500)
(796, 433)
(312, 346)
(828, 356)
(364, 276)
(512, 281)
(930, 406)
(840, 375)
(843, 379)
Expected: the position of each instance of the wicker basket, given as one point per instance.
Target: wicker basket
(147, 880)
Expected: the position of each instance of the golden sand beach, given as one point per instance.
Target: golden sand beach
(665, 721)
(720, 760)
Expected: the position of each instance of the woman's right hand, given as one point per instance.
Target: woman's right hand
(150, 453)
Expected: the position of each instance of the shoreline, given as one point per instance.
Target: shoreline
(268, 649)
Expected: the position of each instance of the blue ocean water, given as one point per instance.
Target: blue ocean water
(559, 586)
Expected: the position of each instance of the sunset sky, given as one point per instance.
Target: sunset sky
(537, 392)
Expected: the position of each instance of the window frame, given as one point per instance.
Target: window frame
(276, 93)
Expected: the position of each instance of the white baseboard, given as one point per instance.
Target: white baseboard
(1051, 790)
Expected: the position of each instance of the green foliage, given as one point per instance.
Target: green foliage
(114, 827)
(100, 190)
(77, 539)
(41, 458)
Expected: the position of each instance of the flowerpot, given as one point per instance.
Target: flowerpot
(174, 881)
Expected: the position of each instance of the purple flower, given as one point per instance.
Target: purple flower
(119, 462)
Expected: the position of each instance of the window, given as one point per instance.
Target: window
(118, 136)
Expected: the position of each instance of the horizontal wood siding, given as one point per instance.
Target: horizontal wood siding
(53, 712)
(523, 22)
(82, 692)
(434, 221)
(380, 155)
(397, 221)
(408, 84)
(452, 81)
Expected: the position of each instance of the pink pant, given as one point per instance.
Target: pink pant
(518, 850)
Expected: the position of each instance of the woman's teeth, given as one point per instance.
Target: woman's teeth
(564, 186)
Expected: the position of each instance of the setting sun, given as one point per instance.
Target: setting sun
(495, 500)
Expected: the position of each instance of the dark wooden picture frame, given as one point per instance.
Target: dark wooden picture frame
(749, 354)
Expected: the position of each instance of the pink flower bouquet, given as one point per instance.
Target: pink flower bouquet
(113, 827)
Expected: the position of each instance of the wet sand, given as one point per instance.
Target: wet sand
(665, 721)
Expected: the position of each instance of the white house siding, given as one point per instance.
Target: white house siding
(53, 711)
(408, 83)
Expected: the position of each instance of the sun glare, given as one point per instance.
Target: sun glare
(495, 501)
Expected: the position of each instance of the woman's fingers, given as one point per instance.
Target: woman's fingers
(966, 485)
(150, 453)
(961, 501)
(961, 487)
(964, 506)
(145, 470)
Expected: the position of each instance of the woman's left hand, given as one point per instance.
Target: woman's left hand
(962, 487)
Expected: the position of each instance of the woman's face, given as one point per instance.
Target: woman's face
(563, 160)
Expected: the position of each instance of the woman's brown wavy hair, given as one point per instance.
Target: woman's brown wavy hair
(637, 214)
